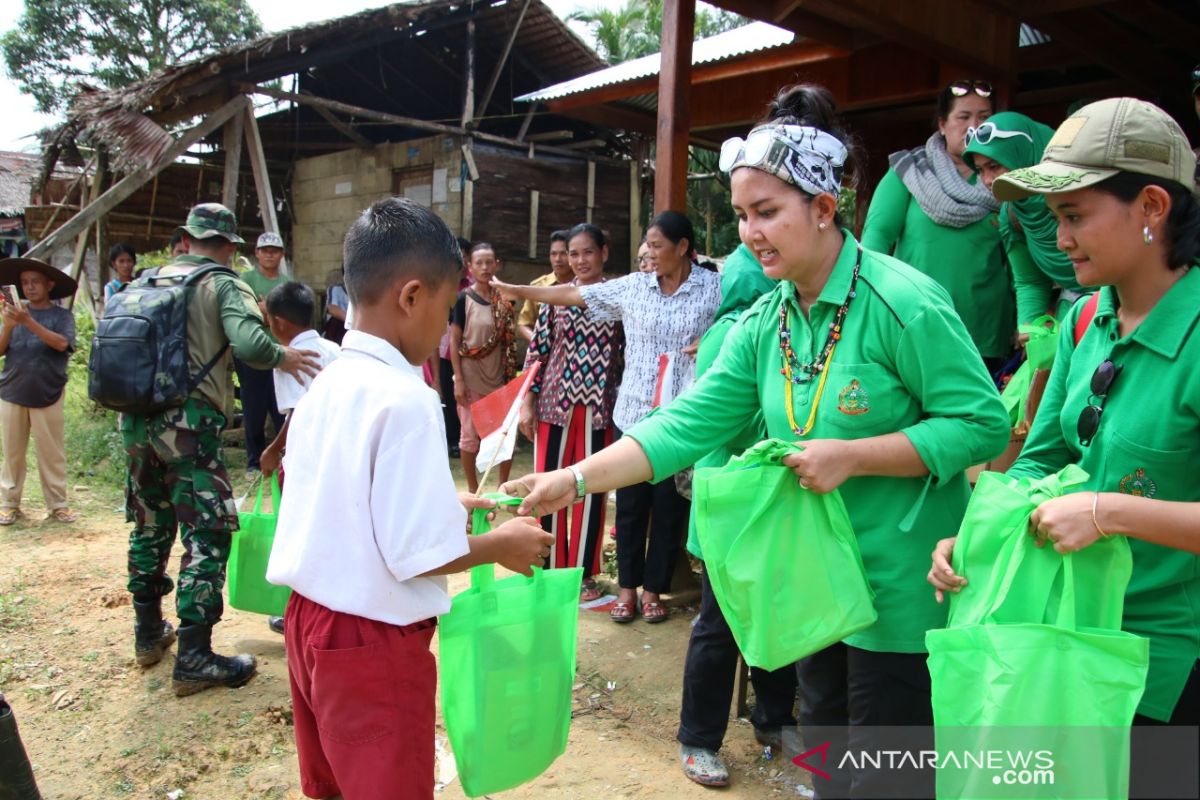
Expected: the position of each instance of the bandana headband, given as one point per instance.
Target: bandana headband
(806, 157)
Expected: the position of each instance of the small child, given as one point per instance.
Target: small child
(371, 522)
(290, 310)
(483, 351)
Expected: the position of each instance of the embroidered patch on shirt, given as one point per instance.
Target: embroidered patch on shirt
(853, 400)
(1138, 484)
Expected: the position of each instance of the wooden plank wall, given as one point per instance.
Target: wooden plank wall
(502, 202)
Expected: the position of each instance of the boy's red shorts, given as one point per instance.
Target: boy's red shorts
(363, 703)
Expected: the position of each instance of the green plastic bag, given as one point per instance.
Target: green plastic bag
(248, 557)
(783, 562)
(1040, 681)
(507, 660)
(992, 542)
(1043, 341)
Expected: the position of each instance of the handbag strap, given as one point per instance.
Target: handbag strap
(258, 497)
(1086, 314)
(484, 575)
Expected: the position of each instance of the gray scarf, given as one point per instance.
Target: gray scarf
(944, 195)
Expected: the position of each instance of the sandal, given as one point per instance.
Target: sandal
(703, 766)
(61, 515)
(654, 612)
(9, 515)
(589, 591)
(622, 613)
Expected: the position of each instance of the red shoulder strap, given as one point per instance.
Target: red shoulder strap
(1086, 314)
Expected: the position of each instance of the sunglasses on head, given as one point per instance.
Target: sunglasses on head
(1089, 418)
(964, 88)
(988, 131)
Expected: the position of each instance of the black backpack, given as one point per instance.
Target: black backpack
(139, 361)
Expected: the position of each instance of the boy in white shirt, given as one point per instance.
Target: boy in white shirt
(371, 521)
(290, 310)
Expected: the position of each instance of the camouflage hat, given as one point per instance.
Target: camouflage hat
(1120, 134)
(212, 219)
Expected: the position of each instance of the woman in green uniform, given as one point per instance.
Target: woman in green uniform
(863, 359)
(1124, 403)
(930, 211)
(1009, 141)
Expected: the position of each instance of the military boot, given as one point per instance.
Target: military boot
(198, 668)
(152, 634)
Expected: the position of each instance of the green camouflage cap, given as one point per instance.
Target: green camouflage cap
(1120, 134)
(212, 219)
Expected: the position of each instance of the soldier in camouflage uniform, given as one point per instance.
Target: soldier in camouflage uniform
(177, 480)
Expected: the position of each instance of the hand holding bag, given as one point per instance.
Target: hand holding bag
(249, 554)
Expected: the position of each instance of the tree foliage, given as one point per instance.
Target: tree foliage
(635, 29)
(112, 43)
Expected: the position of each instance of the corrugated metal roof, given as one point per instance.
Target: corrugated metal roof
(1028, 36)
(748, 39)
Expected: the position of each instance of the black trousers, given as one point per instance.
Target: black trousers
(449, 407)
(1147, 778)
(846, 691)
(258, 400)
(661, 508)
(708, 680)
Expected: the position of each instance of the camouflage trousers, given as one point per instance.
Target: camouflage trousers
(177, 480)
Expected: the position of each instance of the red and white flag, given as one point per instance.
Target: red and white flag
(496, 417)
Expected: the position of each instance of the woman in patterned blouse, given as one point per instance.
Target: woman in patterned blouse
(568, 412)
(664, 312)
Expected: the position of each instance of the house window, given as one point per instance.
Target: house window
(415, 183)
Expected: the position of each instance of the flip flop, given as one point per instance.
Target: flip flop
(622, 613)
(654, 612)
(589, 591)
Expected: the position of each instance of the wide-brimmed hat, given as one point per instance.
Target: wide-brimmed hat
(212, 219)
(11, 269)
(1120, 134)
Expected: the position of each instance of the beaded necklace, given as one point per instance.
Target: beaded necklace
(795, 372)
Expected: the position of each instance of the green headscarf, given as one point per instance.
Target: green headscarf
(1036, 221)
(742, 282)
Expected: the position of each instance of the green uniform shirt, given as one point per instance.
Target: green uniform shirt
(967, 262)
(904, 363)
(261, 284)
(1034, 278)
(1146, 445)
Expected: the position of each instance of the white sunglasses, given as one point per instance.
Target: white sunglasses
(752, 151)
(988, 131)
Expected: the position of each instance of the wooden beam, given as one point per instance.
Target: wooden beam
(635, 211)
(499, 69)
(343, 128)
(233, 161)
(468, 114)
(131, 182)
(525, 122)
(534, 203)
(550, 136)
(670, 180)
(262, 181)
(787, 14)
(395, 119)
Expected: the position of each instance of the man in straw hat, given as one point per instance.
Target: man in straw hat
(176, 475)
(36, 341)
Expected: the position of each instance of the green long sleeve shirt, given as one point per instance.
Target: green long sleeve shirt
(1146, 445)
(1033, 279)
(968, 262)
(904, 363)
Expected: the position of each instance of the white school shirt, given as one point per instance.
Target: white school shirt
(288, 390)
(369, 502)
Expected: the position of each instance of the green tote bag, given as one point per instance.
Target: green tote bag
(783, 562)
(1046, 685)
(248, 557)
(507, 661)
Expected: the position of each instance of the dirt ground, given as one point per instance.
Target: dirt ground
(96, 725)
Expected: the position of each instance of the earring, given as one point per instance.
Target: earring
(1147, 236)
(821, 226)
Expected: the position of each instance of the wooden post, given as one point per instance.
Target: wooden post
(534, 197)
(233, 161)
(674, 84)
(125, 187)
(635, 211)
(468, 114)
(78, 269)
(102, 265)
(153, 203)
(262, 181)
(591, 189)
(468, 193)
